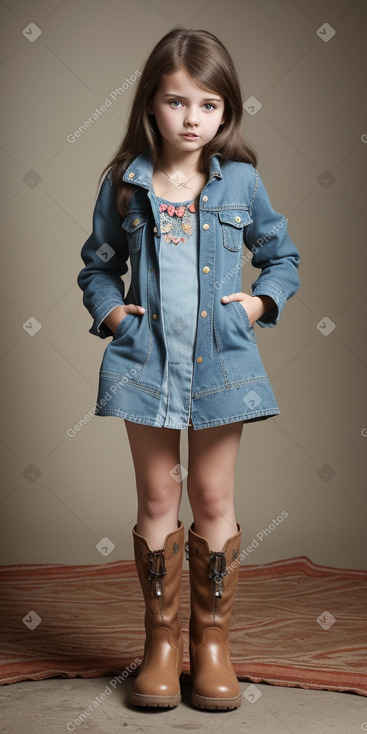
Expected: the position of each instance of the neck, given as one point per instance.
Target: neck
(172, 159)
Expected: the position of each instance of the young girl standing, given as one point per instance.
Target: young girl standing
(181, 197)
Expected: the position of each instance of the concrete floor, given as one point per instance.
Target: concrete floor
(55, 705)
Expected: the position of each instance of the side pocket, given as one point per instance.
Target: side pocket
(244, 315)
(123, 326)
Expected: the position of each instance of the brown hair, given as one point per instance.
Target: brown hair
(208, 62)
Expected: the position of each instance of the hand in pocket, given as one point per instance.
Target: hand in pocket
(118, 314)
(246, 302)
(255, 306)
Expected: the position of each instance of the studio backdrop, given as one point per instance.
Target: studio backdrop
(68, 75)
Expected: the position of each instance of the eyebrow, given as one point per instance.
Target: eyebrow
(179, 96)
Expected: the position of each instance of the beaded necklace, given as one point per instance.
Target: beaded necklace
(177, 220)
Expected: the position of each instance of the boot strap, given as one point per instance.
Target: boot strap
(157, 570)
(217, 571)
(187, 550)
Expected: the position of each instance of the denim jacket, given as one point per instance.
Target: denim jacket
(229, 381)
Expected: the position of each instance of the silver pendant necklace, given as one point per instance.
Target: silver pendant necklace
(181, 184)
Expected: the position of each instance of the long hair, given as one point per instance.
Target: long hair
(209, 64)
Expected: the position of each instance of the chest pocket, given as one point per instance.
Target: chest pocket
(232, 223)
(133, 226)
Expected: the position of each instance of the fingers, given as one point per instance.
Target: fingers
(119, 312)
(233, 297)
(133, 308)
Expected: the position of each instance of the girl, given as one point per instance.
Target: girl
(181, 197)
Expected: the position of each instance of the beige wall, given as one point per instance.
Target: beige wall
(61, 495)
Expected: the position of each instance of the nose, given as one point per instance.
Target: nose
(191, 117)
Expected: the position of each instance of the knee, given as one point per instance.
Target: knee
(155, 501)
(210, 500)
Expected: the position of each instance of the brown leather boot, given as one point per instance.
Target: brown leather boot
(213, 583)
(160, 573)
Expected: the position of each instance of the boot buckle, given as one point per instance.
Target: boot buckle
(217, 572)
(157, 570)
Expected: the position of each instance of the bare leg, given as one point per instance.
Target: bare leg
(210, 481)
(155, 453)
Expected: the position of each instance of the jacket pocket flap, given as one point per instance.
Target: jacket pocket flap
(236, 217)
(132, 222)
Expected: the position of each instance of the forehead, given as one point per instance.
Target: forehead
(180, 81)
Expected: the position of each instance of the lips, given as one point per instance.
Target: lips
(189, 135)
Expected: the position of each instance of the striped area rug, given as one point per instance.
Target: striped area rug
(295, 623)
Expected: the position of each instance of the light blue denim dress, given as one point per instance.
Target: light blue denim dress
(179, 283)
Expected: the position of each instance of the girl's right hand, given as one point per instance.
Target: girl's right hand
(118, 314)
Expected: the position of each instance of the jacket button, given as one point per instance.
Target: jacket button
(204, 314)
(205, 226)
(199, 360)
(237, 219)
(206, 269)
(205, 198)
(131, 175)
(155, 230)
(136, 222)
(154, 316)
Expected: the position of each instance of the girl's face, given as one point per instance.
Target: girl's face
(187, 116)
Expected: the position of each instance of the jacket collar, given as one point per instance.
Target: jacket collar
(140, 171)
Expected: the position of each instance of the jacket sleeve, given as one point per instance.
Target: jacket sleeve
(105, 255)
(273, 251)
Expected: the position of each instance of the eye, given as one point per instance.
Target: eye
(174, 102)
(209, 104)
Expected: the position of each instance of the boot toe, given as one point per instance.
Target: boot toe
(228, 688)
(215, 679)
(158, 685)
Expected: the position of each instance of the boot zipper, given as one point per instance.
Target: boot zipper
(217, 573)
(157, 570)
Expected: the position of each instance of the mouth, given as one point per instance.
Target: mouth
(192, 136)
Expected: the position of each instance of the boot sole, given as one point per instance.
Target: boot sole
(204, 702)
(143, 699)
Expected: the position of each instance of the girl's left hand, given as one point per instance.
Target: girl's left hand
(255, 306)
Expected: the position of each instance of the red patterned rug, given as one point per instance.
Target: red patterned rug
(295, 623)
